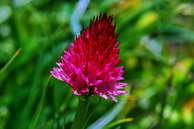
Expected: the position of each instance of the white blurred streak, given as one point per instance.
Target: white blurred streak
(78, 12)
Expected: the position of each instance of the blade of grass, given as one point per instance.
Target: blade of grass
(10, 61)
(109, 116)
(118, 122)
(40, 106)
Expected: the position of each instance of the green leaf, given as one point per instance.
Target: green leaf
(118, 122)
(109, 116)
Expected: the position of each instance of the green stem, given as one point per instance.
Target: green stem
(10, 61)
(82, 113)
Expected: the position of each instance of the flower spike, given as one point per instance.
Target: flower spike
(90, 65)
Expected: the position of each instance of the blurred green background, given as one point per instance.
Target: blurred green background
(157, 50)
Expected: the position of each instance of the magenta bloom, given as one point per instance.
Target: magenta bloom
(90, 65)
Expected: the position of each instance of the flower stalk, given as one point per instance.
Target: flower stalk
(82, 113)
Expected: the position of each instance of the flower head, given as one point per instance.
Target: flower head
(90, 65)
